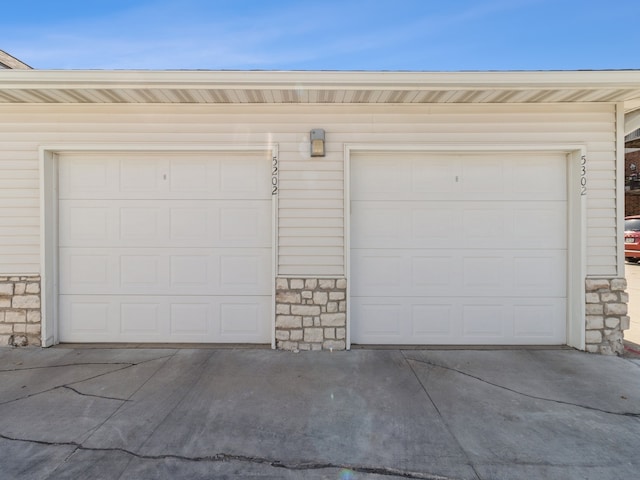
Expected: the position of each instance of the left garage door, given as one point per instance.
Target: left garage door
(164, 247)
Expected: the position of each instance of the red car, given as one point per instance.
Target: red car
(632, 239)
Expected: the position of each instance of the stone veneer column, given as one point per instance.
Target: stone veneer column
(20, 318)
(311, 314)
(606, 315)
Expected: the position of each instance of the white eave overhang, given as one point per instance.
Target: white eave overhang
(319, 87)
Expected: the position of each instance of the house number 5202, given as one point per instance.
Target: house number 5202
(583, 175)
(274, 175)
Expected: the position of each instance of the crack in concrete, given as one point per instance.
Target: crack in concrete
(126, 366)
(67, 365)
(92, 395)
(82, 364)
(534, 397)
(226, 457)
(42, 392)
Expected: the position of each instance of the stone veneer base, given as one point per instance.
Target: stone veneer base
(606, 315)
(311, 314)
(20, 317)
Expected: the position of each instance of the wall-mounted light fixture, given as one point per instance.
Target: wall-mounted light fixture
(317, 142)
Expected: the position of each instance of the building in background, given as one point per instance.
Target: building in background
(11, 63)
(632, 173)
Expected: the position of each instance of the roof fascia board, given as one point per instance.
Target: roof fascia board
(125, 79)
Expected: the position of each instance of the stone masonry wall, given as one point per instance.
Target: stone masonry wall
(311, 314)
(606, 315)
(20, 318)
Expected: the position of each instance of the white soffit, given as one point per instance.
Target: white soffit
(296, 87)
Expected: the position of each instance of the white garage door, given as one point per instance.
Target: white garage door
(164, 248)
(458, 249)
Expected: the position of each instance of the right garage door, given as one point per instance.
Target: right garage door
(458, 248)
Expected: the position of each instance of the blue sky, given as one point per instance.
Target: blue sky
(422, 35)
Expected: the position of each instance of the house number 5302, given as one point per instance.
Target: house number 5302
(274, 175)
(583, 175)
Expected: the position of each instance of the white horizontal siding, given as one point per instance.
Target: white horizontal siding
(311, 201)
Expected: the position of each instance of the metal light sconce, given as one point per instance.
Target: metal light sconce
(317, 142)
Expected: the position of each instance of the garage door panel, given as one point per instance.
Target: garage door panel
(445, 176)
(165, 271)
(192, 176)
(484, 178)
(237, 177)
(433, 176)
(544, 176)
(385, 320)
(380, 270)
(85, 268)
(538, 226)
(89, 316)
(178, 223)
(106, 318)
(378, 223)
(483, 224)
(431, 321)
(433, 224)
(141, 271)
(80, 178)
(458, 321)
(141, 225)
(88, 224)
(380, 180)
(139, 318)
(538, 321)
(483, 321)
(525, 321)
(431, 271)
(540, 273)
(247, 225)
(142, 176)
(244, 178)
(403, 224)
(243, 320)
(190, 318)
(157, 176)
(452, 272)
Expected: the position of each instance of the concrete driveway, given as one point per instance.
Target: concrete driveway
(173, 413)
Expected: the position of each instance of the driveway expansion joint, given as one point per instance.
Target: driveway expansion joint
(534, 397)
(224, 457)
(435, 406)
